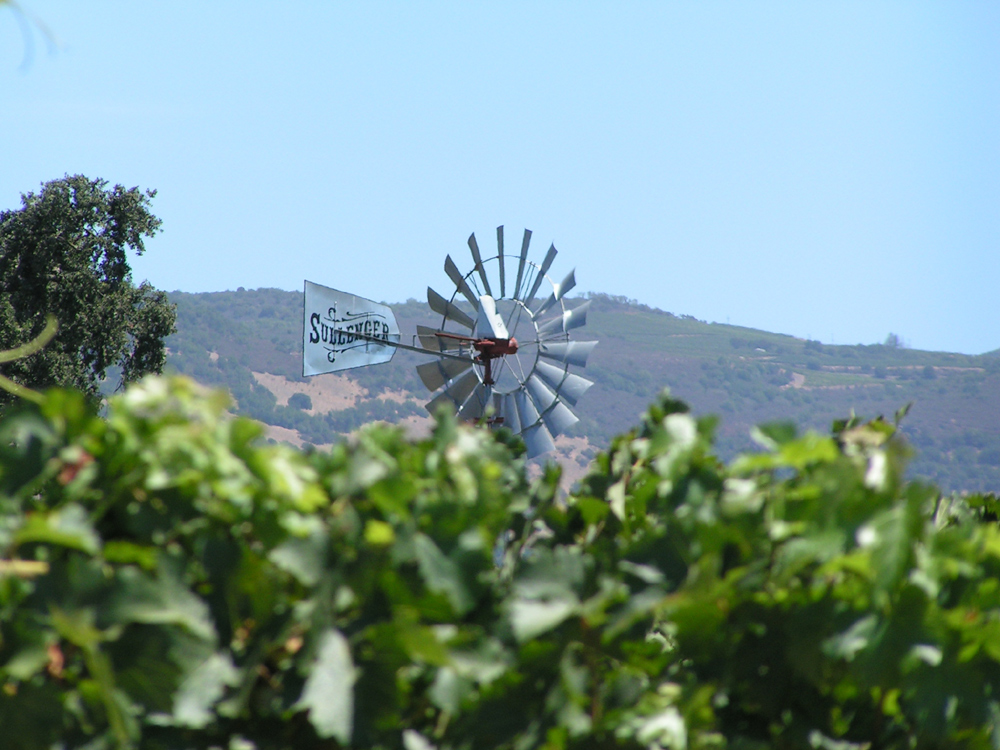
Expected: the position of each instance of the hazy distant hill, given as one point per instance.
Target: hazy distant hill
(250, 343)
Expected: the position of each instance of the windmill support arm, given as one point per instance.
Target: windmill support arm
(398, 345)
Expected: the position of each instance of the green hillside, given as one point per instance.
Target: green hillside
(745, 376)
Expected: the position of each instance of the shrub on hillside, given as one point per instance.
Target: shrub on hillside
(300, 401)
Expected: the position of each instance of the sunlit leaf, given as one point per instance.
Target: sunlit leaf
(201, 689)
(328, 694)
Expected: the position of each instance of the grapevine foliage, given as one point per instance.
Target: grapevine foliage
(168, 580)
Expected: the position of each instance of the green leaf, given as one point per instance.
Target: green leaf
(663, 730)
(531, 617)
(202, 689)
(593, 510)
(422, 644)
(379, 533)
(67, 527)
(616, 499)
(645, 573)
(809, 449)
(449, 690)
(328, 694)
(441, 575)
(856, 638)
(416, 741)
(159, 601)
(118, 551)
(891, 536)
(27, 662)
(774, 434)
(304, 558)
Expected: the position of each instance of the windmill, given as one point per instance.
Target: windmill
(515, 349)
(500, 351)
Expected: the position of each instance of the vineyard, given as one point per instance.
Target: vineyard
(170, 579)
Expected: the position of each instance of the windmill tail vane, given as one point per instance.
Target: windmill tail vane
(509, 360)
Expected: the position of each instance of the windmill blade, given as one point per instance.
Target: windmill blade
(533, 431)
(538, 440)
(508, 410)
(568, 387)
(549, 257)
(559, 418)
(520, 264)
(527, 414)
(558, 292)
(489, 323)
(435, 374)
(474, 247)
(433, 343)
(567, 321)
(570, 352)
(475, 406)
(443, 307)
(460, 283)
(456, 393)
(429, 339)
(540, 393)
(556, 415)
(503, 291)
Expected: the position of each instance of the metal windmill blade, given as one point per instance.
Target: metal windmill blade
(435, 374)
(451, 311)
(510, 364)
(456, 392)
(570, 352)
(557, 293)
(566, 322)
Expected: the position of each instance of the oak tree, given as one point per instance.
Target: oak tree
(64, 252)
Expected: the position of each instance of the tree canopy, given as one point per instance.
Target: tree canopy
(64, 253)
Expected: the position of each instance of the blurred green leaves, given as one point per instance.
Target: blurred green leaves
(168, 580)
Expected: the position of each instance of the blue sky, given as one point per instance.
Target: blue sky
(829, 170)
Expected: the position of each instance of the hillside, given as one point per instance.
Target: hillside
(250, 343)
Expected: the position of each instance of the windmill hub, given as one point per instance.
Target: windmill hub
(490, 349)
(495, 348)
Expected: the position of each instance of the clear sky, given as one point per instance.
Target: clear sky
(829, 170)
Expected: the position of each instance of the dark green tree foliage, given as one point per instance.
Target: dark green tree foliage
(168, 581)
(300, 401)
(64, 253)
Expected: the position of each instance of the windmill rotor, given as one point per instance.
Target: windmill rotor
(507, 357)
